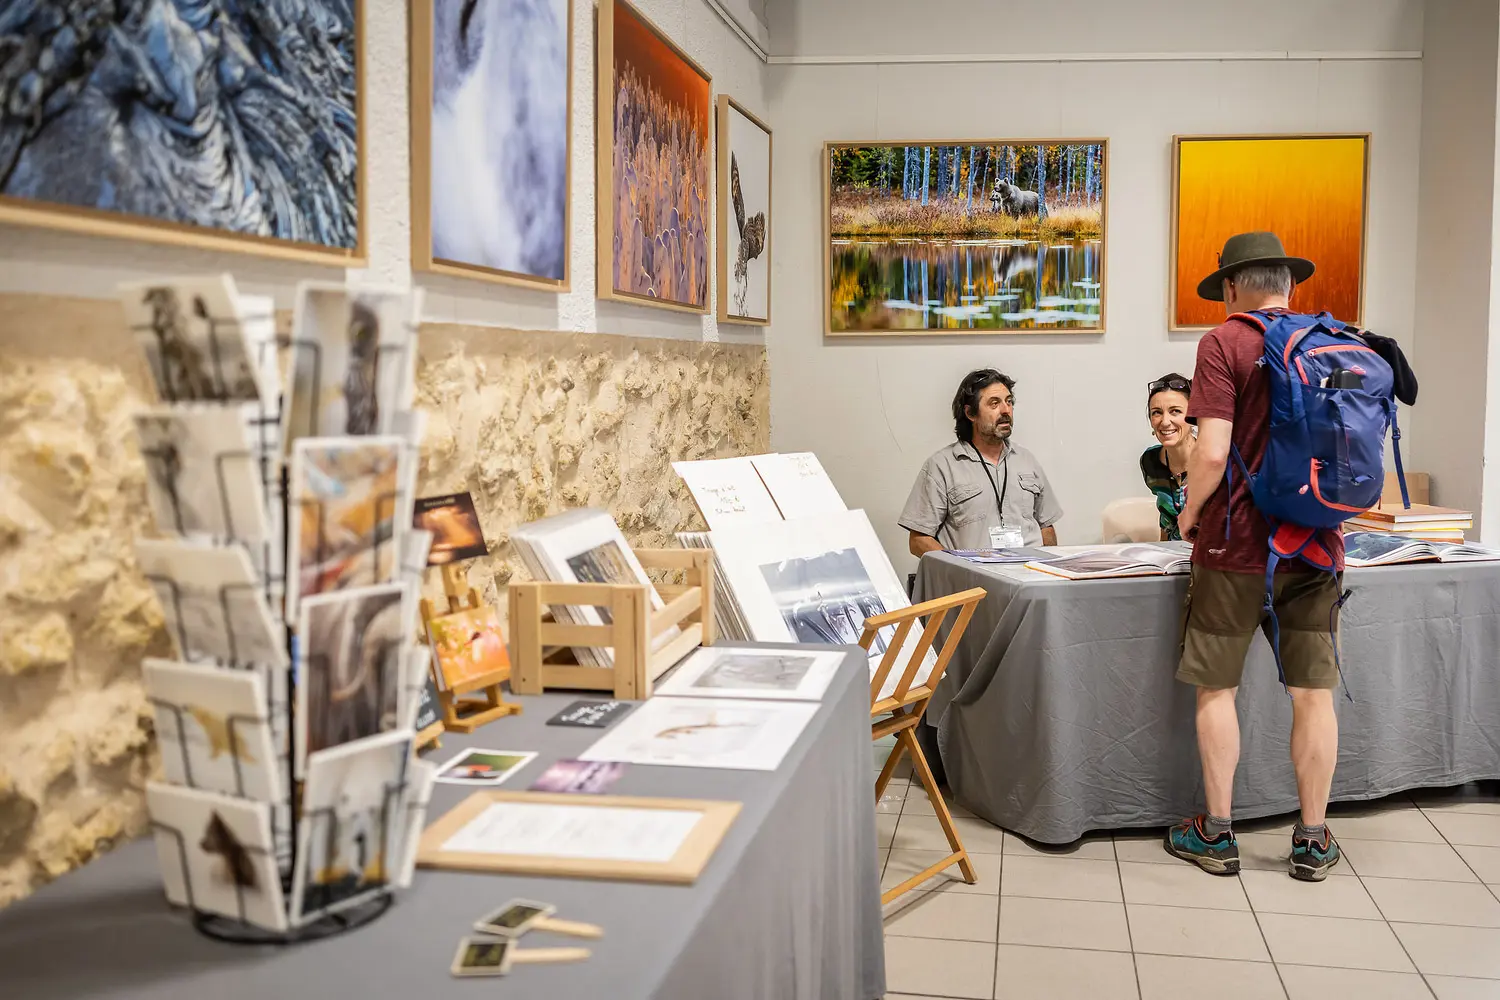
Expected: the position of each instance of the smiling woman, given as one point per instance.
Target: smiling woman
(1164, 467)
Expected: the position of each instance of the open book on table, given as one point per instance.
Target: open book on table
(1105, 561)
(1023, 555)
(1379, 548)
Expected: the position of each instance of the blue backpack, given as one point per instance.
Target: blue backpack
(1325, 455)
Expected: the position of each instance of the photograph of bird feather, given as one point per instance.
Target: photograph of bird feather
(212, 124)
(744, 216)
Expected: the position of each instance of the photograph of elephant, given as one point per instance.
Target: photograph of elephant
(1000, 236)
(655, 179)
(1308, 189)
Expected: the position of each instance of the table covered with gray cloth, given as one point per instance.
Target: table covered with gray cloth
(1060, 713)
(788, 907)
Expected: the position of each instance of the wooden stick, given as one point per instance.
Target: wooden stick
(572, 928)
(548, 956)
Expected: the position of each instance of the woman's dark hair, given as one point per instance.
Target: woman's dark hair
(1170, 382)
(967, 398)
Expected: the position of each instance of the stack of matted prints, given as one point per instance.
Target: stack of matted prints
(241, 553)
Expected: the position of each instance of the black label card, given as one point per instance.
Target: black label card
(590, 714)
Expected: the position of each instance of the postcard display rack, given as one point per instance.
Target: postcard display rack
(212, 352)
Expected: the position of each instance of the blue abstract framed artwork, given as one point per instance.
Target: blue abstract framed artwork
(207, 123)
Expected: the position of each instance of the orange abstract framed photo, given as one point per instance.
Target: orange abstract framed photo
(1311, 190)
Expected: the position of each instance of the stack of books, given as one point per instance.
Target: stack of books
(1424, 521)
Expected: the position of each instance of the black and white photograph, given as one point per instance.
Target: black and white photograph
(490, 102)
(213, 726)
(602, 564)
(351, 664)
(193, 333)
(202, 476)
(744, 215)
(216, 855)
(352, 360)
(205, 123)
(212, 602)
(722, 671)
(349, 840)
(826, 598)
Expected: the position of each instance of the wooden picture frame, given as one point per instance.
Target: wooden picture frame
(120, 225)
(422, 258)
(725, 104)
(683, 868)
(604, 73)
(827, 230)
(1175, 212)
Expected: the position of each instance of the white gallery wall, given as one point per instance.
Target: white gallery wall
(874, 409)
(45, 262)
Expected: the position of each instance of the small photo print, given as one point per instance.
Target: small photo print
(193, 334)
(483, 767)
(454, 524)
(826, 598)
(603, 564)
(585, 776)
(753, 670)
(482, 957)
(515, 918)
(201, 474)
(468, 644)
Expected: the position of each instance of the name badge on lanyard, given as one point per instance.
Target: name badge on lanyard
(1006, 536)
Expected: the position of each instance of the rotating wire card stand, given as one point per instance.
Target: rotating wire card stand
(323, 922)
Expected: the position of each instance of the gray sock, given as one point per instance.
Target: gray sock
(1214, 825)
(1311, 833)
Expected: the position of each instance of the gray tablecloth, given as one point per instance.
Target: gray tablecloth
(1060, 713)
(789, 906)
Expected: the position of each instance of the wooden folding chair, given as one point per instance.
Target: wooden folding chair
(907, 704)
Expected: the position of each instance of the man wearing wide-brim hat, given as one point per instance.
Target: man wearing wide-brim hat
(1231, 404)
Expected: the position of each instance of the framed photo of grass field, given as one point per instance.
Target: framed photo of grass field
(655, 173)
(1311, 190)
(994, 236)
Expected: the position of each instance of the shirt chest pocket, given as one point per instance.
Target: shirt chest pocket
(1031, 483)
(965, 504)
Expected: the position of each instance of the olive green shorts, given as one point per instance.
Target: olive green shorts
(1223, 610)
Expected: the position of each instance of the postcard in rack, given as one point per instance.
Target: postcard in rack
(202, 476)
(214, 729)
(419, 779)
(728, 491)
(193, 333)
(468, 644)
(705, 732)
(351, 666)
(349, 513)
(353, 360)
(753, 672)
(212, 602)
(216, 854)
(483, 767)
(454, 524)
(349, 840)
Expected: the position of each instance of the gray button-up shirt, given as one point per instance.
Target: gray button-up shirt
(954, 497)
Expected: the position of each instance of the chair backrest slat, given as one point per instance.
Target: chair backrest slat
(935, 611)
(891, 653)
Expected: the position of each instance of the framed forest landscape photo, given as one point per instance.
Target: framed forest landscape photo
(744, 216)
(1311, 190)
(202, 124)
(491, 142)
(654, 112)
(999, 236)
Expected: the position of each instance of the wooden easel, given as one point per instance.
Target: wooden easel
(463, 714)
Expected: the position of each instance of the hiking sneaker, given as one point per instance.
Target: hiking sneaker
(1312, 860)
(1217, 856)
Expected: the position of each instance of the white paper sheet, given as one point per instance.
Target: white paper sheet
(596, 833)
(799, 485)
(753, 672)
(705, 732)
(728, 491)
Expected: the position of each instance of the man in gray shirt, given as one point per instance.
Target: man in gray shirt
(982, 491)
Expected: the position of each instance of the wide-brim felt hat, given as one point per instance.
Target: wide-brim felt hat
(1252, 250)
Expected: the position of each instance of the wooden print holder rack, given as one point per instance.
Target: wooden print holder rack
(633, 627)
(462, 712)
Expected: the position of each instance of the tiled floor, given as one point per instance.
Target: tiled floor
(1413, 913)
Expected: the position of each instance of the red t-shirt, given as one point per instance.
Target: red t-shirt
(1228, 384)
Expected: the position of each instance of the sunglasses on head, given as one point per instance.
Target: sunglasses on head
(1175, 383)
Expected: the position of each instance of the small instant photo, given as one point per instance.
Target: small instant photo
(515, 918)
(482, 957)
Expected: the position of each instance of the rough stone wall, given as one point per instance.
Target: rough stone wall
(531, 422)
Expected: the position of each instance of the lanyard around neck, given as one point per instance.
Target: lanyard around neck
(1002, 490)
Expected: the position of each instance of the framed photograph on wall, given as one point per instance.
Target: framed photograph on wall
(654, 177)
(994, 236)
(199, 132)
(744, 216)
(1311, 190)
(491, 140)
